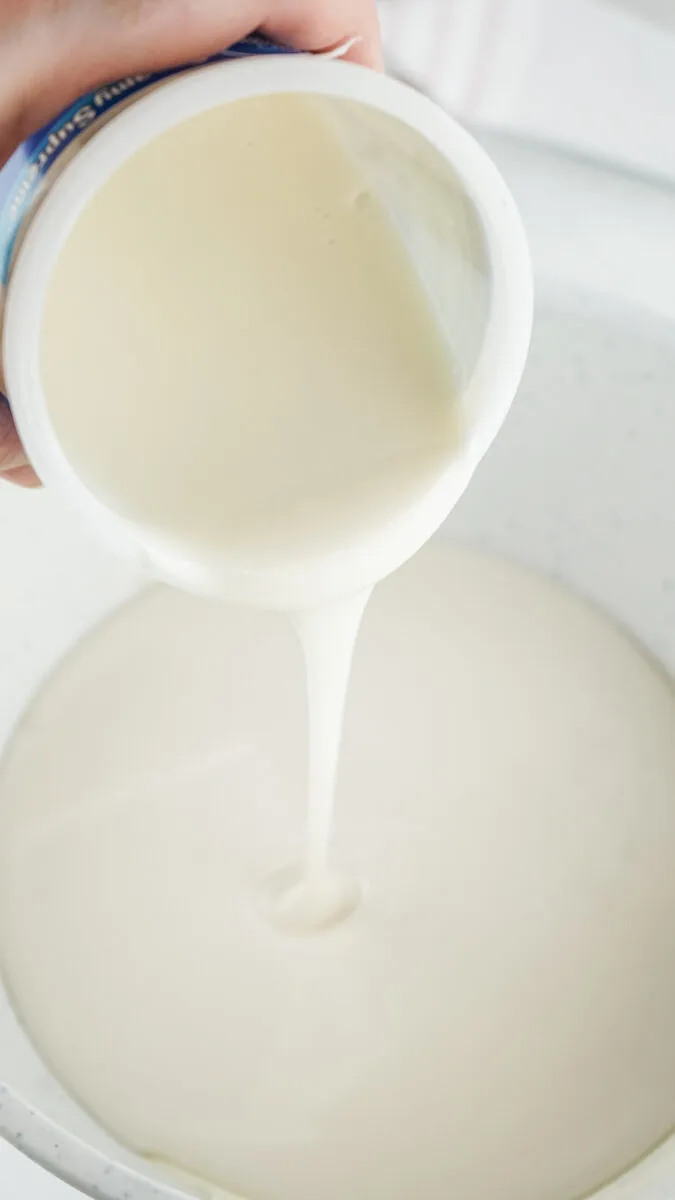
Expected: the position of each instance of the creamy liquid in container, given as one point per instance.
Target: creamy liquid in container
(259, 375)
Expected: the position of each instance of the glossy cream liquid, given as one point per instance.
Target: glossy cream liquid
(495, 1020)
(258, 376)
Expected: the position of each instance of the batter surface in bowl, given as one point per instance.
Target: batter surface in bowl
(495, 1020)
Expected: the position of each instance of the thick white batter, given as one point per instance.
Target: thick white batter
(495, 1021)
(257, 374)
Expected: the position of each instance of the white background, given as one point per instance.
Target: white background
(596, 74)
(593, 74)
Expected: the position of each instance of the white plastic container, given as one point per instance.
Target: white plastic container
(451, 207)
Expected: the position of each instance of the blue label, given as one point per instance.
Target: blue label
(22, 177)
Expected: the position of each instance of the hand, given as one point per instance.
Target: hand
(51, 51)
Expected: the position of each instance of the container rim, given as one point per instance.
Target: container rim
(489, 392)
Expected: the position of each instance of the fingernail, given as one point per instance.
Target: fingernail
(340, 50)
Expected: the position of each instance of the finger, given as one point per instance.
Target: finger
(11, 451)
(90, 44)
(14, 466)
(47, 62)
(24, 477)
(324, 24)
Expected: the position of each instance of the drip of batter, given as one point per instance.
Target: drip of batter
(311, 896)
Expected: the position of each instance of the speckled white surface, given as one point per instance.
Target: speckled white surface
(22, 1179)
(581, 482)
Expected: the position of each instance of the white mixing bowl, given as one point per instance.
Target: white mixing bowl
(580, 484)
